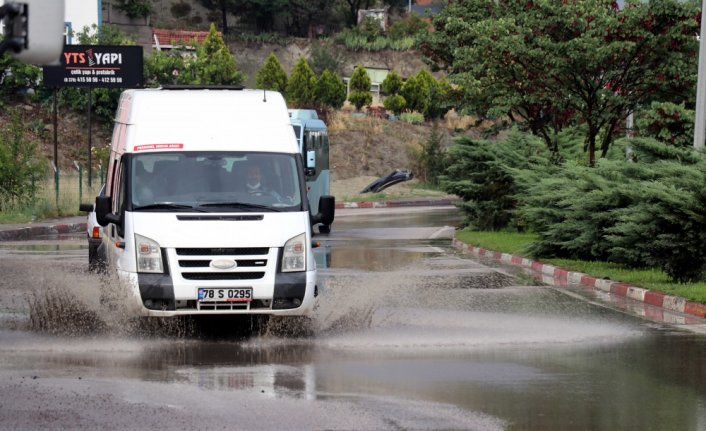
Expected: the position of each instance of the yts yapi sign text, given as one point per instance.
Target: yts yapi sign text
(97, 66)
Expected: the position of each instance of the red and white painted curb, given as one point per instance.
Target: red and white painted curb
(555, 276)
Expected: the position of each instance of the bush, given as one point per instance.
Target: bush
(485, 175)
(640, 214)
(396, 104)
(412, 117)
(20, 165)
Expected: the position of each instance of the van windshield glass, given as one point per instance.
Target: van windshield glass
(215, 181)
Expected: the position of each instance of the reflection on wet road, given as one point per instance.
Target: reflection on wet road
(407, 335)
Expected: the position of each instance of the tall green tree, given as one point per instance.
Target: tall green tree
(551, 64)
(359, 94)
(214, 63)
(301, 89)
(271, 75)
(330, 90)
(222, 7)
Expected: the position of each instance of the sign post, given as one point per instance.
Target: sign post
(94, 66)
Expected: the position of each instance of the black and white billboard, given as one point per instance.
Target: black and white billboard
(97, 66)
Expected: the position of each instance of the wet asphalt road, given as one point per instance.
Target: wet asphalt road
(407, 335)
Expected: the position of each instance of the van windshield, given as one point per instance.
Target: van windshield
(215, 181)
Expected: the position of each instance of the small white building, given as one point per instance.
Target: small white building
(79, 14)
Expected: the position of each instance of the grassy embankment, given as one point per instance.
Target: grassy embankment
(650, 278)
(45, 204)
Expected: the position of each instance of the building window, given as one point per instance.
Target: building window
(68, 33)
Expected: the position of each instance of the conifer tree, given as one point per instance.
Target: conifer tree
(271, 76)
(360, 88)
(214, 64)
(330, 90)
(302, 84)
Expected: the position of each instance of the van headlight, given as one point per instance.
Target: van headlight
(149, 255)
(294, 256)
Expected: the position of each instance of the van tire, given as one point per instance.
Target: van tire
(325, 228)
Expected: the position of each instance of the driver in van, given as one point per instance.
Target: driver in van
(254, 183)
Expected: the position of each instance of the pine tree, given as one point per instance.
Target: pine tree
(271, 76)
(360, 88)
(214, 64)
(302, 84)
(330, 90)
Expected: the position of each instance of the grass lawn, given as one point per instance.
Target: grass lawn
(649, 278)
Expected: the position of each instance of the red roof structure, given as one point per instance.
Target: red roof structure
(166, 37)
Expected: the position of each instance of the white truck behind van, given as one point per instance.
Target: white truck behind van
(184, 226)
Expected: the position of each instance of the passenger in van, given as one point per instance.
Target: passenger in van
(143, 194)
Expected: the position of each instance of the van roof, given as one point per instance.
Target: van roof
(206, 119)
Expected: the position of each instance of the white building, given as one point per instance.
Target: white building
(79, 14)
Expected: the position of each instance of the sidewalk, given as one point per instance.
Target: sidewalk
(559, 277)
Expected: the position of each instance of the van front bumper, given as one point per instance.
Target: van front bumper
(293, 294)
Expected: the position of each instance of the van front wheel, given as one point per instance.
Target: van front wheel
(325, 228)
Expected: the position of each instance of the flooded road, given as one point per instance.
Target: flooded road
(407, 335)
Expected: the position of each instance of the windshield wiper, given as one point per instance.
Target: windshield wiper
(242, 205)
(166, 206)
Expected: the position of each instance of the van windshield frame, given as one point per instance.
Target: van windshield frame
(215, 181)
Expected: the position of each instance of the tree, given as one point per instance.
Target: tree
(262, 14)
(392, 84)
(395, 103)
(214, 63)
(223, 7)
(330, 90)
(302, 84)
(551, 64)
(271, 76)
(360, 88)
(353, 7)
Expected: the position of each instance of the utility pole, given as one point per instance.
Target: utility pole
(700, 121)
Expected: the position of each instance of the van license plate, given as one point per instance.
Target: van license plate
(243, 294)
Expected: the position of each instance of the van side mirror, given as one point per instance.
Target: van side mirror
(310, 163)
(327, 209)
(103, 214)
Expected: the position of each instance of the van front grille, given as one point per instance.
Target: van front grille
(232, 251)
(240, 263)
(222, 275)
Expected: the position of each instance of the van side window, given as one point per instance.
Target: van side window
(119, 188)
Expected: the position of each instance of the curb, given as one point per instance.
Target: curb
(30, 232)
(560, 277)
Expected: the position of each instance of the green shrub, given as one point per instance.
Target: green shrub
(20, 163)
(396, 104)
(486, 176)
(412, 117)
(640, 214)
